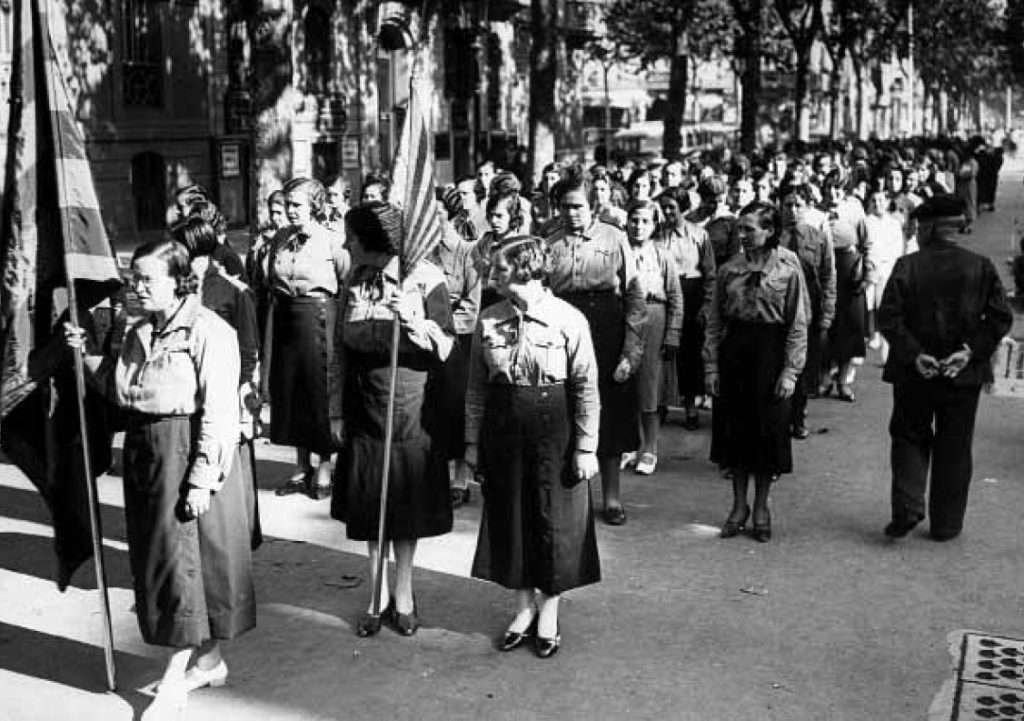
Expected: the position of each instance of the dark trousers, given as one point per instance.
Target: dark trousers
(932, 424)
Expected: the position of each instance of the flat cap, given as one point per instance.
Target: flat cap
(939, 206)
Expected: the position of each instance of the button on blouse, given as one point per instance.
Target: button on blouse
(302, 264)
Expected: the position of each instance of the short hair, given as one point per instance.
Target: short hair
(768, 217)
(314, 191)
(526, 256)
(505, 181)
(651, 205)
(574, 179)
(515, 207)
(206, 210)
(378, 225)
(677, 195)
(478, 188)
(276, 197)
(175, 256)
(197, 235)
(190, 195)
(336, 178)
(374, 178)
(800, 190)
(634, 178)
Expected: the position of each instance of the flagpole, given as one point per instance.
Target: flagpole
(90, 481)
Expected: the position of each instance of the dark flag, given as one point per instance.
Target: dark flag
(50, 231)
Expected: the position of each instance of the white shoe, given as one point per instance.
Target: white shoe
(648, 462)
(876, 342)
(627, 460)
(196, 677)
(169, 703)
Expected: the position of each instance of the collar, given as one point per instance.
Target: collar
(540, 312)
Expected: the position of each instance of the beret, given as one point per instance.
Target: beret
(939, 206)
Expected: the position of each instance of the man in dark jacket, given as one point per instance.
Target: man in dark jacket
(943, 312)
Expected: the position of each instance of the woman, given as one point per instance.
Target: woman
(640, 184)
(754, 352)
(256, 261)
(532, 412)
(602, 202)
(306, 271)
(593, 269)
(688, 246)
(854, 273)
(888, 243)
(186, 506)
(418, 494)
(505, 218)
(545, 210)
(656, 377)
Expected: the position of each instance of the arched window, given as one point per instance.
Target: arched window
(141, 53)
(149, 190)
(317, 30)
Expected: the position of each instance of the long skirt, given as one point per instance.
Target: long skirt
(846, 336)
(192, 578)
(537, 527)
(656, 379)
(752, 425)
(418, 502)
(451, 399)
(607, 318)
(689, 362)
(302, 345)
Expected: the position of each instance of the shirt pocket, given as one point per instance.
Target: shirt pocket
(497, 352)
(550, 355)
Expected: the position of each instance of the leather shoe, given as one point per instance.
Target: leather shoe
(900, 526)
(547, 647)
(942, 535)
(406, 623)
(762, 532)
(514, 639)
(734, 526)
(800, 432)
(369, 625)
(615, 516)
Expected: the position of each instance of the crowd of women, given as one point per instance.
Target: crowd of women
(542, 343)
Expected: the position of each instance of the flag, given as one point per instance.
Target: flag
(50, 231)
(412, 178)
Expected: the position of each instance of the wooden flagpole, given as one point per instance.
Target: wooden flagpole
(90, 482)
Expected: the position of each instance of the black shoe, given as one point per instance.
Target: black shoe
(369, 625)
(615, 516)
(296, 484)
(942, 535)
(319, 491)
(762, 532)
(459, 497)
(846, 393)
(547, 647)
(800, 432)
(900, 526)
(734, 526)
(513, 639)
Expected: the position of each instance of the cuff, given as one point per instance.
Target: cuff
(586, 445)
(204, 476)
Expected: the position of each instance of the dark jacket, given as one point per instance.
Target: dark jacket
(232, 300)
(937, 300)
(818, 262)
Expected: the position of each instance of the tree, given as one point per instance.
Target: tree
(804, 21)
(748, 34)
(543, 74)
(672, 30)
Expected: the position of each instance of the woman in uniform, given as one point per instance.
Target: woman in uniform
(532, 412)
(593, 269)
(186, 507)
(754, 351)
(306, 270)
(418, 502)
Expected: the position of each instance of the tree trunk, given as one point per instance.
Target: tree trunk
(801, 121)
(679, 72)
(748, 46)
(858, 79)
(543, 74)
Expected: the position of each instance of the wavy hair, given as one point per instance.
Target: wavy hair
(176, 257)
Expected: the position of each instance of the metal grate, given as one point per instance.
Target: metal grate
(990, 683)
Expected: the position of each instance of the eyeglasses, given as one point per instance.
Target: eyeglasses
(135, 280)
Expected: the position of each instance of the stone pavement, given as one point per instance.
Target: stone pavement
(827, 621)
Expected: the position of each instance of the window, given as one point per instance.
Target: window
(141, 53)
(149, 191)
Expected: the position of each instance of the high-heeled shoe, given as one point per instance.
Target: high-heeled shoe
(514, 639)
(846, 393)
(762, 532)
(406, 623)
(369, 624)
(735, 526)
(547, 647)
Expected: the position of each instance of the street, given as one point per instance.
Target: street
(830, 620)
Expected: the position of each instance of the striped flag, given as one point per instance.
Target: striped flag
(412, 178)
(50, 231)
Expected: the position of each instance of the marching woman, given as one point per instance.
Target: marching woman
(418, 502)
(185, 503)
(306, 270)
(504, 215)
(532, 413)
(656, 377)
(754, 352)
(593, 269)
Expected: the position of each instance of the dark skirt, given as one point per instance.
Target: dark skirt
(752, 426)
(451, 400)
(192, 578)
(302, 345)
(846, 336)
(537, 527)
(418, 503)
(689, 362)
(607, 318)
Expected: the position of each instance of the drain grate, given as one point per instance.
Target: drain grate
(990, 685)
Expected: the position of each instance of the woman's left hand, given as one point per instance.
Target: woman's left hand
(622, 371)
(784, 388)
(585, 465)
(197, 502)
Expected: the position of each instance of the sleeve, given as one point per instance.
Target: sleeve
(715, 327)
(248, 336)
(827, 277)
(996, 316)
(475, 389)
(707, 273)
(434, 332)
(467, 307)
(582, 382)
(635, 306)
(674, 306)
(903, 346)
(796, 326)
(342, 259)
(865, 244)
(216, 358)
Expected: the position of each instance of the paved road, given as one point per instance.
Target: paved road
(828, 621)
